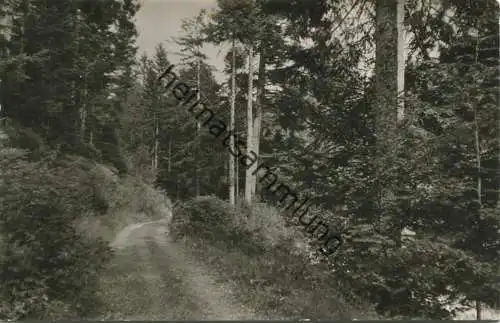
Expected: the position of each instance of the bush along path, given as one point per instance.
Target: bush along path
(155, 278)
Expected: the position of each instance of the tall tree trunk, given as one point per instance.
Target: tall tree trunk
(83, 114)
(91, 131)
(237, 184)
(78, 88)
(248, 173)
(401, 59)
(153, 155)
(82, 97)
(232, 195)
(237, 175)
(157, 143)
(498, 153)
(198, 97)
(83, 120)
(169, 166)
(389, 69)
(477, 147)
(257, 124)
(479, 186)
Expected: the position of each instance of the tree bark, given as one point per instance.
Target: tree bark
(169, 166)
(91, 131)
(157, 143)
(401, 59)
(248, 173)
(152, 150)
(83, 119)
(389, 78)
(477, 147)
(257, 124)
(83, 112)
(198, 97)
(232, 195)
(237, 175)
(478, 187)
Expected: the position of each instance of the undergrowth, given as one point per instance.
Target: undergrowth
(57, 215)
(270, 261)
(48, 268)
(126, 200)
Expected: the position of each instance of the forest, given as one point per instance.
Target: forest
(383, 113)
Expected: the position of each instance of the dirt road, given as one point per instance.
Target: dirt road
(174, 285)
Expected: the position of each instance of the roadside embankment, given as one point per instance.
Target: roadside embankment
(270, 262)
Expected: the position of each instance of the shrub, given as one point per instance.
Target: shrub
(125, 200)
(262, 254)
(47, 268)
(267, 222)
(214, 220)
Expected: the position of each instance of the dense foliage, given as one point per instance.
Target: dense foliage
(319, 118)
(65, 73)
(71, 85)
(47, 268)
(258, 252)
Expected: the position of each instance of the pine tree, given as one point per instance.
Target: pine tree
(191, 44)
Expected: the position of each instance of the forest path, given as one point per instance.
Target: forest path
(175, 285)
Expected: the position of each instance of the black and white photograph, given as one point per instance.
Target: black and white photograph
(286, 160)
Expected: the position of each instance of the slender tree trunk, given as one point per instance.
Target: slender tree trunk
(157, 144)
(477, 147)
(83, 102)
(237, 175)
(237, 183)
(248, 173)
(401, 59)
(154, 154)
(83, 119)
(169, 166)
(198, 97)
(91, 132)
(79, 91)
(257, 124)
(232, 195)
(498, 154)
(83, 113)
(389, 70)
